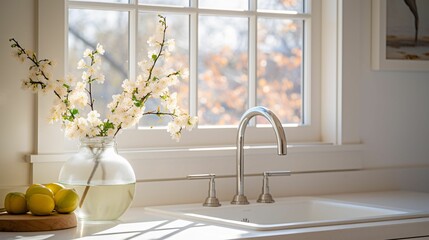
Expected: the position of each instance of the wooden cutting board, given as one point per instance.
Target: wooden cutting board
(30, 223)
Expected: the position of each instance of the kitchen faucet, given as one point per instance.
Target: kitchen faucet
(240, 198)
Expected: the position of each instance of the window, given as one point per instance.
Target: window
(239, 54)
(321, 100)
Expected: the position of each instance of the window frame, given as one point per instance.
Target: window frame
(337, 147)
(309, 132)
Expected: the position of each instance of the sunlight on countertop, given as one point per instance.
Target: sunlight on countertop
(180, 229)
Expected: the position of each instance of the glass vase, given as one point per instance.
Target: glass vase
(104, 180)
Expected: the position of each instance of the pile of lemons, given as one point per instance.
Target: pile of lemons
(42, 199)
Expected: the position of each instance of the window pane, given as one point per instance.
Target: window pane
(282, 5)
(224, 4)
(279, 68)
(178, 29)
(110, 29)
(222, 70)
(184, 3)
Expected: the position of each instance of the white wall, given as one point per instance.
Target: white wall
(390, 108)
(386, 111)
(393, 109)
(17, 111)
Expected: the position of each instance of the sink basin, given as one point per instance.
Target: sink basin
(287, 213)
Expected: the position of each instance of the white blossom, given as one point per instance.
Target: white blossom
(43, 66)
(144, 65)
(30, 53)
(19, 55)
(78, 98)
(128, 85)
(97, 60)
(152, 41)
(171, 45)
(92, 132)
(55, 114)
(171, 102)
(70, 130)
(87, 52)
(176, 136)
(60, 90)
(151, 54)
(80, 86)
(156, 88)
(85, 75)
(81, 64)
(90, 71)
(94, 118)
(173, 127)
(184, 74)
(100, 49)
(192, 121)
(49, 87)
(70, 80)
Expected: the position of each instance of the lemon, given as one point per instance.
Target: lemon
(55, 187)
(66, 200)
(15, 203)
(41, 204)
(38, 189)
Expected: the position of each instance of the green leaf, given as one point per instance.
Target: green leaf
(74, 111)
(108, 125)
(138, 103)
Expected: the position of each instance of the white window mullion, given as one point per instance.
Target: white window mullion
(193, 60)
(252, 61)
(99, 5)
(133, 33)
(253, 23)
(133, 16)
(306, 75)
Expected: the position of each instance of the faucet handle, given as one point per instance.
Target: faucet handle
(266, 196)
(211, 200)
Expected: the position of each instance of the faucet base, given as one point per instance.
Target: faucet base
(211, 202)
(239, 200)
(265, 198)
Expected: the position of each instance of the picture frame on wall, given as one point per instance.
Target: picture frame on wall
(400, 35)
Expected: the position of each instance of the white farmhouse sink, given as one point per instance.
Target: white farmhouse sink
(287, 213)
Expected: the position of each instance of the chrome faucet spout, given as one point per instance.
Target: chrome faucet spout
(240, 198)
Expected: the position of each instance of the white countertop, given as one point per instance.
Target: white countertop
(137, 223)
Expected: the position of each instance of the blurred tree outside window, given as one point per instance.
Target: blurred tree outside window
(228, 33)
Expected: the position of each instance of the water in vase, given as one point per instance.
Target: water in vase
(103, 202)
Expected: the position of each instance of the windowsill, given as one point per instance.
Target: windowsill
(176, 163)
(259, 149)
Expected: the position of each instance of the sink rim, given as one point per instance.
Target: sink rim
(182, 211)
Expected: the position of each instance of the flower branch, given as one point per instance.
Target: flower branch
(126, 108)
